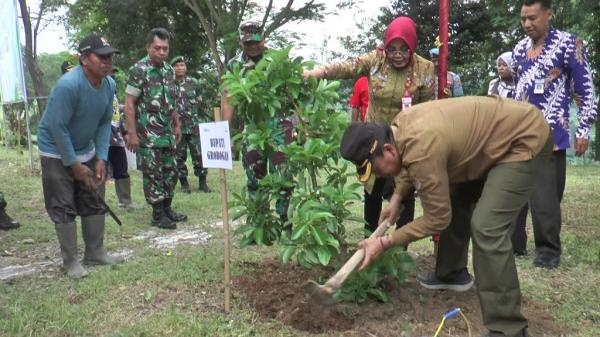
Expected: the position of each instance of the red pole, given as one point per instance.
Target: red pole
(443, 57)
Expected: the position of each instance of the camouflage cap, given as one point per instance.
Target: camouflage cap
(250, 31)
(178, 59)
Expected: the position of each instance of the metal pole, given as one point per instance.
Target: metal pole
(226, 248)
(27, 120)
(443, 57)
(26, 106)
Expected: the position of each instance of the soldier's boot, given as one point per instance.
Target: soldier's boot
(67, 238)
(6, 222)
(171, 214)
(202, 184)
(185, 186)
(160, 218)
(93, 236)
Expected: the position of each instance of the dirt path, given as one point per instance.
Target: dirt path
(45, 260)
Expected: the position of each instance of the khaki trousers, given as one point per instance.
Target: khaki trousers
(484, 210)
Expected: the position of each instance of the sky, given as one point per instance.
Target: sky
(53, 39)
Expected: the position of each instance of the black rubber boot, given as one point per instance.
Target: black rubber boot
(185, 186)
(202, 184)
(6, 222)
(160, 218)
(171, 214)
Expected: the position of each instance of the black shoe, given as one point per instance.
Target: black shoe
(520, 252)
(524, 333)
(171, 214)
(546, 261)
(160, 219)
(202, 184)
(7, 222)
(462, 282)
(185, 186)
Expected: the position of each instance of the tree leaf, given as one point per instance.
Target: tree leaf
(324, 255)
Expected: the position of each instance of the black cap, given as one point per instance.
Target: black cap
(97, 45)
(359, 143)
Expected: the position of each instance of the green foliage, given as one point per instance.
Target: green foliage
(275, 89)
(392, 265)
(322, 193)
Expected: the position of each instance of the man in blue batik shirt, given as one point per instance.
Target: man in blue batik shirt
(551, 65)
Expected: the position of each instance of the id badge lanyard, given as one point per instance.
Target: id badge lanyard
(406, 96)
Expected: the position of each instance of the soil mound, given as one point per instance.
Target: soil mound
(275, 291)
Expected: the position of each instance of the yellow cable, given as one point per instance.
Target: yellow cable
(440, 327)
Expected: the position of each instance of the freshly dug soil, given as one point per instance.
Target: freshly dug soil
(275, 292)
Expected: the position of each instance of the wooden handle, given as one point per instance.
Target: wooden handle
(336, 280)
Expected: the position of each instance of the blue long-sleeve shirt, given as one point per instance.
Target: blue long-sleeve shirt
(561, 66)
(77, 118)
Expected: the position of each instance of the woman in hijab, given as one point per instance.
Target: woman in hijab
(397, 79)
(503, 85)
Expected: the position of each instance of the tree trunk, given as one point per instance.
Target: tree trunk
(31, 60)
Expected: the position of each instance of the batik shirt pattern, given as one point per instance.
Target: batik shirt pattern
(386, 84)
(561, 68)
(156, 94)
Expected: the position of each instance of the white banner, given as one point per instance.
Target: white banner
(215, 141)
(11, 72)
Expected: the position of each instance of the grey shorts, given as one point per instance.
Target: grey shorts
(65, 197)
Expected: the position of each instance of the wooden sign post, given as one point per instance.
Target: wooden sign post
(226, 247)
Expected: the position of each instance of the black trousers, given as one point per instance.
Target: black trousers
(117, 158)
(545, 209)
(383, 189)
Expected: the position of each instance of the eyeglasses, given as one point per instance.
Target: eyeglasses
(394, 52)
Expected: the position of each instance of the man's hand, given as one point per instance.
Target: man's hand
(318, 73)
(100, 169)
(373, 248)
(132, 142)
(392, 211)
(83, 174)
(581, 145)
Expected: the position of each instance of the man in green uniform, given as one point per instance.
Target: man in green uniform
(256, 163)
(190, 109)
(473, 161)
(6, 222)
(153, 126)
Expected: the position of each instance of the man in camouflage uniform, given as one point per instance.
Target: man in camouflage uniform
(153, 126)
(190, 115)
(6, 222)
(257, 164)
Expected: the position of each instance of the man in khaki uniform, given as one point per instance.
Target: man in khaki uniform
(473, 161)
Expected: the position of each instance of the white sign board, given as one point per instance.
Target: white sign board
(216, 145)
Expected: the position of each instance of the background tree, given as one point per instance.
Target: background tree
(479, 32)
(220, 21)
(34, 22)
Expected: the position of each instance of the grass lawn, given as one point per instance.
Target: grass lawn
(179, 291)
